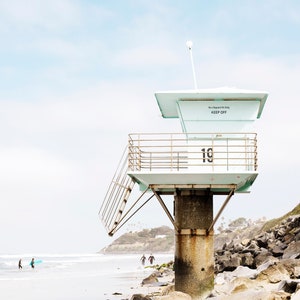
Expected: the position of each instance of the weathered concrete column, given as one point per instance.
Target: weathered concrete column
(194, 249)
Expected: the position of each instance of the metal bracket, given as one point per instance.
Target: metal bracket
(221, 210)
(162, 203)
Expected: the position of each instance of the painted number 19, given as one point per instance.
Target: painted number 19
(207, 155)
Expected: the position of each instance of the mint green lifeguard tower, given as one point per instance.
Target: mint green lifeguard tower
(215, 154)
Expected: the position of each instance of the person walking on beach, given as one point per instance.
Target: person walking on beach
(143, 259)
(20, 264)
(151, 259)
(32, 263)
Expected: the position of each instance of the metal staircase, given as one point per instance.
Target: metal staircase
(115, 200)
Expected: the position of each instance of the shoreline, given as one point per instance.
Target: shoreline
(151, 290)
(76, 277)
(150, 280)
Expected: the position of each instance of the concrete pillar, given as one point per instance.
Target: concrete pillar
(194, 248)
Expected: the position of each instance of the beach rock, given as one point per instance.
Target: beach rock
(297, 272)
(245, 242)
(140, 297)
(252, 248)
(175, 296)
(240, 271)
(292, 266)
(274, 274)
(278, 250)
(262, 240)
(273, 261)
(167, 290)
(254, 295)
(282, 241)
(150, 279)
(247, 259)
(288, 286)
(279, 296)
(262, 257)
(241, 284)
(228, 262)
(292, 251)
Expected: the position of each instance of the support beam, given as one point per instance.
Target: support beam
(194, 248)
(162, 203)
(221, 210)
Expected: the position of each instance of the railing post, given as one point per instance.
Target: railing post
(227, 155)
(171, 152)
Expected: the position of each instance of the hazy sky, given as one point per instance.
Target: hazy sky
(77, 76)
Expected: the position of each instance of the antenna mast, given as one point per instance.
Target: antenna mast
(189, 44)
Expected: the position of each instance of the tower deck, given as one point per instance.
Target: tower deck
(219, 162)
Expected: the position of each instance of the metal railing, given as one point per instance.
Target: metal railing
(117, 195)
(196, 152)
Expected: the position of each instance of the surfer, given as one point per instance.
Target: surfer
(32, 263)
(143, 258)
(20, 264)
(151, 259)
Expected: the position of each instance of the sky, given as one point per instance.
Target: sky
(76, 77)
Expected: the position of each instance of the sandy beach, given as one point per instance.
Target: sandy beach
(76, 277)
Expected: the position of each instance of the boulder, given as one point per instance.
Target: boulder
(262, 240)
(167, 290)
(244, 272)
(247, 260)
(227, 277)
(175, 296)
(292, 266)
(245, 242)
(278, 250)
(140, 297)
(292, 251)
(279, 296)
(262, 257)
(229, 263)
(274, 274)
(254, 295)
(297, 272)
(238, 248)
(151, 279)
(252, 247)
(288, 286)
(280, 232)
(241, 284)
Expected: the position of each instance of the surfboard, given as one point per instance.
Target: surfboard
(38, 261)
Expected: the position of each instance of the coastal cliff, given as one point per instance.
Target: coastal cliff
(158, 240)
(161, 239)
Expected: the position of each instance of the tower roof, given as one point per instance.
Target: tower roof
(168, 100)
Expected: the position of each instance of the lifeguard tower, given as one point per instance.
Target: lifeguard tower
(215, 154)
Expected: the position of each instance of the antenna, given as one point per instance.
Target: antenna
(189, 44)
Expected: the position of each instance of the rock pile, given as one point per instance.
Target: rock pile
(282, 242)
(264, 267)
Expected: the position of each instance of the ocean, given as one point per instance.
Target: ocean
(74, 276)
